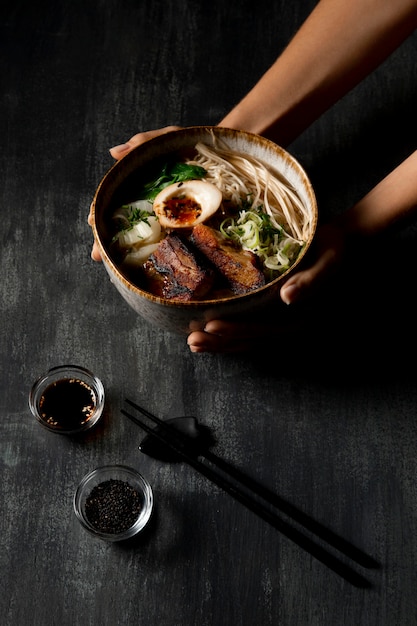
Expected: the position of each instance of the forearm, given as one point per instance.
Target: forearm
(392, 200)
(337, 46)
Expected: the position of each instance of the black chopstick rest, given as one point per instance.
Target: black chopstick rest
(199, 437)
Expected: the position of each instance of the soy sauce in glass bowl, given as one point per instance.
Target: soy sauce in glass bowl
(67, 399)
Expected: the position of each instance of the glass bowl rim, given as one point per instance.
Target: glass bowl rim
(140, 483)
(51, 375)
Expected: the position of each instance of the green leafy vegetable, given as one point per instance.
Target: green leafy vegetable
(136, 215)
(170, 174)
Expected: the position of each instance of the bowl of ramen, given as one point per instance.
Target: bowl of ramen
(203, 223)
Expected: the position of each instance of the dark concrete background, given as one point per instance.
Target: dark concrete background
(330, 425)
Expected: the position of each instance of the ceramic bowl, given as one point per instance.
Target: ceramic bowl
(118, 187)
(113, 502)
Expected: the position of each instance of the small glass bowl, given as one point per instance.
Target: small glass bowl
(68, 399)
(109, 489)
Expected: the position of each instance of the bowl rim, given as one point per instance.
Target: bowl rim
(110, 470)
(222, 132)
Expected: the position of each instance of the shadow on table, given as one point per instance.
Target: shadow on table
(362, 325)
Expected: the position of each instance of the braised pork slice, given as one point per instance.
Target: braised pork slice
(239, 267)
(174, 271)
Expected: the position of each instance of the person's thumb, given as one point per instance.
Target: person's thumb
(117, 152)
(329, 251)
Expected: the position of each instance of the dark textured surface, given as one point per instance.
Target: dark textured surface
(330, 425)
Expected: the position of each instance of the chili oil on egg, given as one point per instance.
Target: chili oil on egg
(185, 204)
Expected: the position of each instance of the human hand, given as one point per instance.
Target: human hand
(242, 335)
(120, 151)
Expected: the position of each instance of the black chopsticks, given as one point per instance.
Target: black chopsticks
(247, 491)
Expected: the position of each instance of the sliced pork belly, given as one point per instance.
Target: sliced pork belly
(239, 267)
(175, 271)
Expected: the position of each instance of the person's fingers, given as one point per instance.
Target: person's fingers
(117, 152)
(200, 341)
(223, 336)
(220, 336)
(302, 283)
(95, 253)
(329, 251)
(90, 216)
(235, 329)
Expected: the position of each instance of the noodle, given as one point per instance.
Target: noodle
(240, 176)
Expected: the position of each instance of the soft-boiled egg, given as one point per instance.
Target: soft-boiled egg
(185, 204)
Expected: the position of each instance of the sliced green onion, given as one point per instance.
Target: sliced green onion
(252, 230)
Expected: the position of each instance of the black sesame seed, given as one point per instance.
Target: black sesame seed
(113, 506)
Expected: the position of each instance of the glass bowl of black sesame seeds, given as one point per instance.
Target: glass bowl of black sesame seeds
(113, 502)
(67, 399)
